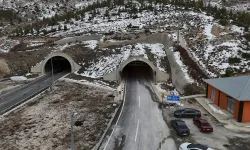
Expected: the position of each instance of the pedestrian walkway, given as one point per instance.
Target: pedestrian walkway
(193, 96)
(223, 116)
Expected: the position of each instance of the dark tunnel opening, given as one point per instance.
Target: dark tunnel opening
(60, 64)
(138, 70)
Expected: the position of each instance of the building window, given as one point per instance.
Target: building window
(230, 104)
(213, 94)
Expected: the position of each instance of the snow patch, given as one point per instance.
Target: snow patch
(107, 64)
(18, 78)
(85, 82)
(217, 110)
(91, 44)
(207, 31)
(183, 67)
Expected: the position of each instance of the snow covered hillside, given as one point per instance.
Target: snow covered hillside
(41, 8)
(237, 5)
(213, 45)
(118, 21)
(217, 48)
(6, 44)
(98, 67)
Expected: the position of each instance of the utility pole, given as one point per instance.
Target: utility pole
(72, 130)
(52, 69)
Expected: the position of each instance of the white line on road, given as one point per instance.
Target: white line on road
(118, 117)
(137, 129)
(25, 92)
(47, 79)
(139, 101)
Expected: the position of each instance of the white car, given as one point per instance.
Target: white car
(190, 146)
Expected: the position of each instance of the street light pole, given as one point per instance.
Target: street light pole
(52, 69)
(72, 131)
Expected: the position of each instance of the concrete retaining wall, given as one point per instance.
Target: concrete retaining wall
(116, 74)
(40, 67)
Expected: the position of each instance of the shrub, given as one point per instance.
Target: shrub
(229, 72)
(191, 89)
(246, 55)
(232, 60)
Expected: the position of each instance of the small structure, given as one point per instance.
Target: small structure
(231, 94)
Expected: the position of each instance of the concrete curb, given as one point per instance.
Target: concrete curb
(97, 147)
(157, 93)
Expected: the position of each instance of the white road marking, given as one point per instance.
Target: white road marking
(46, 79)
(4, 102)
(25, 91)
(118, 117)
(139, 101)
(137, 129)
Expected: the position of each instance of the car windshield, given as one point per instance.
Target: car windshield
(202, 147)
(182, 125)
(205, 124)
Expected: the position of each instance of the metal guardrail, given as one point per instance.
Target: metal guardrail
(25, 99)
(111, 122)
(25, 85)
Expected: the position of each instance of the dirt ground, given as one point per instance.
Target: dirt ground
(44, 123)
(220, 139)
(19, 63)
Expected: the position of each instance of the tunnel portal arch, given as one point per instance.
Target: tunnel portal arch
(57, 55)
(40, 67)
(137, 60)
(116, 75)
(59, 64)
(133, 59)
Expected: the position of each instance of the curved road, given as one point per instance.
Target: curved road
(12, 99)
(140, 125)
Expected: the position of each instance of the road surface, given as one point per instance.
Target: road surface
(140, 125)
(10, 99)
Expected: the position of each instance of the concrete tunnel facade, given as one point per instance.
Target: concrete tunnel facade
(40, 67)
(116, 75)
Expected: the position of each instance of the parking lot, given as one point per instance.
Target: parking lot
(220, 139)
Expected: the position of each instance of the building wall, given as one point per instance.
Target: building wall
(236, 109)
(246, 112)
(223, 100)
(222, 103)
(209, 89)
(216, 93)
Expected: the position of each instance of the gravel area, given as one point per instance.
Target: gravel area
(44, 122)
(220, 139)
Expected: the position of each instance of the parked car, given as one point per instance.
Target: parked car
(190, 146)
(203, 124)
(187, 113)
(180, 127)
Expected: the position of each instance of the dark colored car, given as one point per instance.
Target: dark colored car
(203, 124)
(180, 127)
(187, 113)
(190, 146)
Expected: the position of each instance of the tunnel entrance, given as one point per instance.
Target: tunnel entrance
(60, 64)
(138, 70)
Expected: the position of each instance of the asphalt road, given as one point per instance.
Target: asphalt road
(10, 99)
(140, 125)
(78, 38)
